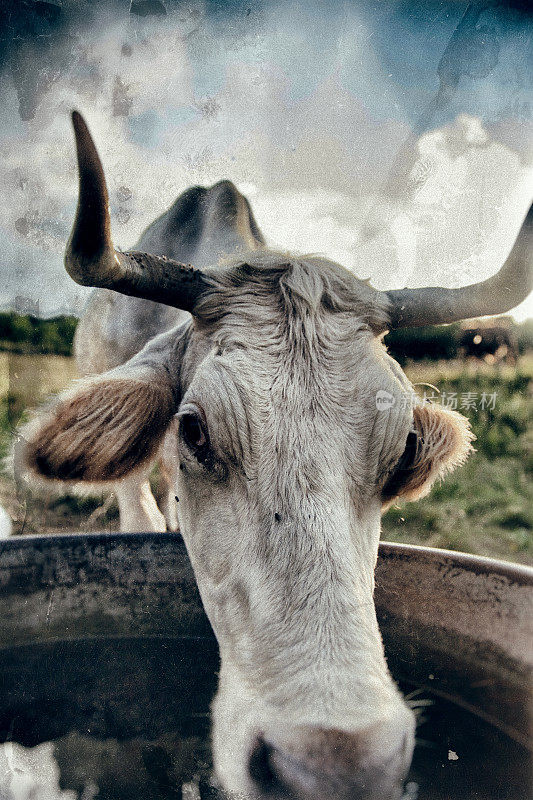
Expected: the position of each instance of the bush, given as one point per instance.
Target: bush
(432, 342)
(524, 334)
(26, 334)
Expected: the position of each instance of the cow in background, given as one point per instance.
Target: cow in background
(492, 341)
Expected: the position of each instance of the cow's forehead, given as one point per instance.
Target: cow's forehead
(303, 390)
(305, 322)
(263, 281)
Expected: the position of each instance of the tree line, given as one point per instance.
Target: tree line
(24, 333)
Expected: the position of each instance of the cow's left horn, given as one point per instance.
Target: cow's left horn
(91, 259)
(504, 291)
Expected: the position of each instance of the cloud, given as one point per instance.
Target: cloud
(194, 98)
(458, 215)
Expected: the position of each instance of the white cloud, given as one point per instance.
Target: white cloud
(312, 160)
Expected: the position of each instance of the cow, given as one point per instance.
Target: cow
(286, 429)
(490, 342)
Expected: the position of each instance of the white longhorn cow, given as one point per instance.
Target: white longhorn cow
(264, 404)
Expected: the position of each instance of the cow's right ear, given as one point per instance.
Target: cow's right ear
(102, 430)
(439, 441)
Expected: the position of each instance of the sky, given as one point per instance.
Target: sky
(394, 137)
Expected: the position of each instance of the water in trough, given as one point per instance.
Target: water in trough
(71, 731)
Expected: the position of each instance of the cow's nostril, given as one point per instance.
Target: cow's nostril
(259, 765)
(280, 777)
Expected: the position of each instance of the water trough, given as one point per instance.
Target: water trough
(108, 667)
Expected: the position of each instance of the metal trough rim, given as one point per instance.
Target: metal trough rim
(520, 573)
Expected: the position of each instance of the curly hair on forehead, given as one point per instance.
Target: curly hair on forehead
(301, 285)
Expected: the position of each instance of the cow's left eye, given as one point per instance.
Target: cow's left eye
(192, 432)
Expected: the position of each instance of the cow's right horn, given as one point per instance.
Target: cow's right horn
(91, 259)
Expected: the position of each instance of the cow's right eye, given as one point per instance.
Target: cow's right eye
(193, 433)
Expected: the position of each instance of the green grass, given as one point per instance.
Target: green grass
(5, 429)
(486, 506)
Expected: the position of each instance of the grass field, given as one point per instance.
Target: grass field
(485, 507)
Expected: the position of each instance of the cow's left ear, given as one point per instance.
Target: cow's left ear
(101, 431)
(439, 441)
(108, 425)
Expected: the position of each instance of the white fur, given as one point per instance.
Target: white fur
(6, 527)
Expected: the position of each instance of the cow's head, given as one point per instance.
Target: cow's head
(292, 428)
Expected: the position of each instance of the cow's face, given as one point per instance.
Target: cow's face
(292, 422)
(290, 428)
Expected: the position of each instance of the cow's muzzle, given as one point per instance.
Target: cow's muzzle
(311, 763)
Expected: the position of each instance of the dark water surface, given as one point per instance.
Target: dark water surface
(128, 719)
